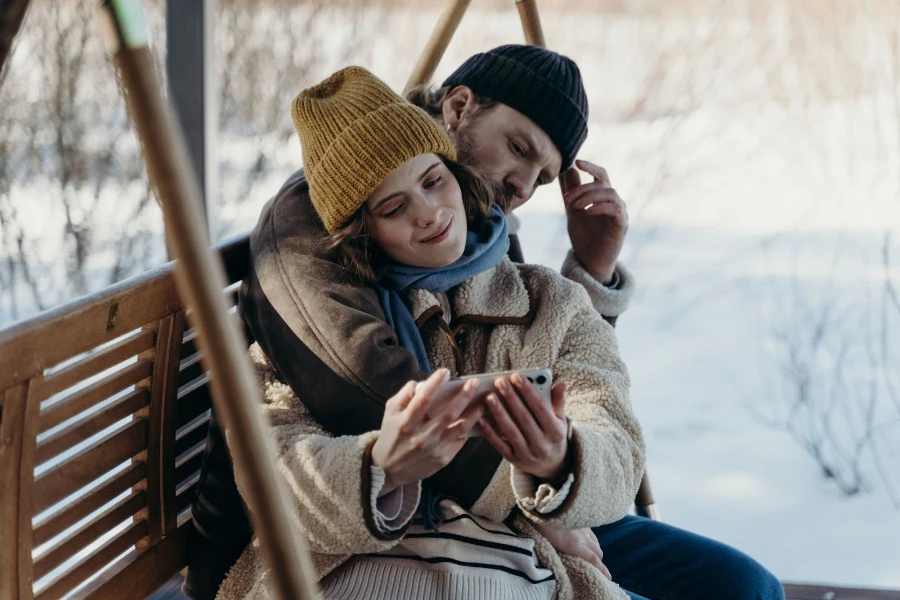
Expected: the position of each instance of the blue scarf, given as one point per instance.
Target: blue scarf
(484, 249)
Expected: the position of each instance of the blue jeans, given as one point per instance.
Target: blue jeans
(654, 561)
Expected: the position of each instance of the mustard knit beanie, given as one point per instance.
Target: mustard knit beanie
(354, 131)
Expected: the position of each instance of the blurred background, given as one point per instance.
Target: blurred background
(756, 142)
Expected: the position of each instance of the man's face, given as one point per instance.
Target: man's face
(510, 149)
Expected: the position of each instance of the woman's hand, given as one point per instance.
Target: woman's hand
(412, 447)
(581, 543)
(526, 431)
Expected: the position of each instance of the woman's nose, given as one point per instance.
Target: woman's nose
(428, 214)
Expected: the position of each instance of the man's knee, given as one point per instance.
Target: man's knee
(746, 579)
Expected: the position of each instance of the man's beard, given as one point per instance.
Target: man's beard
(465, 155)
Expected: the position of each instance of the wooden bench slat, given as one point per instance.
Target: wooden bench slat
(89, 464)
(55, 524)
(190, 369)
(95, 393)
(186, 492)
(81, 430)
(189, 343)
(189, 462)
(90, 532)
(108, 552)
(193, 400)
(156, 566)
(190, 434)
(106, 358)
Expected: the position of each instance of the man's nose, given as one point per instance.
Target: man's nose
(520, 185)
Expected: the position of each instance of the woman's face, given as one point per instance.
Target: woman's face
(416, 216)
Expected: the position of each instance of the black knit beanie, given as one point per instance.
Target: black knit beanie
(544, 86)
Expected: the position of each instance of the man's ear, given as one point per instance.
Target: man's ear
(459, 104)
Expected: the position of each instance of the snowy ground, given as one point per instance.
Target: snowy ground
(752, 223)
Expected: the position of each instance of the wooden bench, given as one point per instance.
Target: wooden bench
(104, 411)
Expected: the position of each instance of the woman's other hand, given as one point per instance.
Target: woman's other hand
(531, 434)
(581, 543)
(412, 447)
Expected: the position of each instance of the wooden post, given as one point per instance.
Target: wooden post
(18, 434)
(190, 60)
(200, 278)
(437, 44)
(531, 23)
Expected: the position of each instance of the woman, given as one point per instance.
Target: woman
(422, 228)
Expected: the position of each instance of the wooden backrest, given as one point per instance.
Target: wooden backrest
(104, 410)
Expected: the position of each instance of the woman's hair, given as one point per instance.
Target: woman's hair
(431, 100)
(361, 255)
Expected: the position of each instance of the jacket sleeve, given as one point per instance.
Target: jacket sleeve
(329, 478)
(607, 445)
(610, 301)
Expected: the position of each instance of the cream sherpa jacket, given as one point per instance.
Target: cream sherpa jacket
(509, 317)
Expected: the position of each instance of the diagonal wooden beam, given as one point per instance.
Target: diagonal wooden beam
(201, 278)
(531, 23)
(437, 44)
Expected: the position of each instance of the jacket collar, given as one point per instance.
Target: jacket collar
(496, 296)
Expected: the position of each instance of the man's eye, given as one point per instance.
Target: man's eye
(433, 183)
(517, 149)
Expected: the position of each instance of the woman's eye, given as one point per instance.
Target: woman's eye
(392, 213)
(434, 182)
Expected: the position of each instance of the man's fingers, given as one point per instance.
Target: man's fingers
(598, 172)
(570, 180)
(609, 209)
(595, 187)
(603, 569)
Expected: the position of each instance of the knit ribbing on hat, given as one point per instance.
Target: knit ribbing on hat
(354, 131)
(544, 86)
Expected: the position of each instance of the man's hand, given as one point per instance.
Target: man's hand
(597, 220)
(581, 543)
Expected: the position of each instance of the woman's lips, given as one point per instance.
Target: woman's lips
(441, 235)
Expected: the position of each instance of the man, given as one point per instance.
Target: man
(518, 114)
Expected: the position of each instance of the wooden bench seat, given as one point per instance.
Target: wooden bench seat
(104, 410)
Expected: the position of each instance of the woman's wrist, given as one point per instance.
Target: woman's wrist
(559, 472)
(388, 486)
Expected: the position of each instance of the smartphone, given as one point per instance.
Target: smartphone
(541, 379)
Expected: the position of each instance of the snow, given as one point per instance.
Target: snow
(755, 216)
